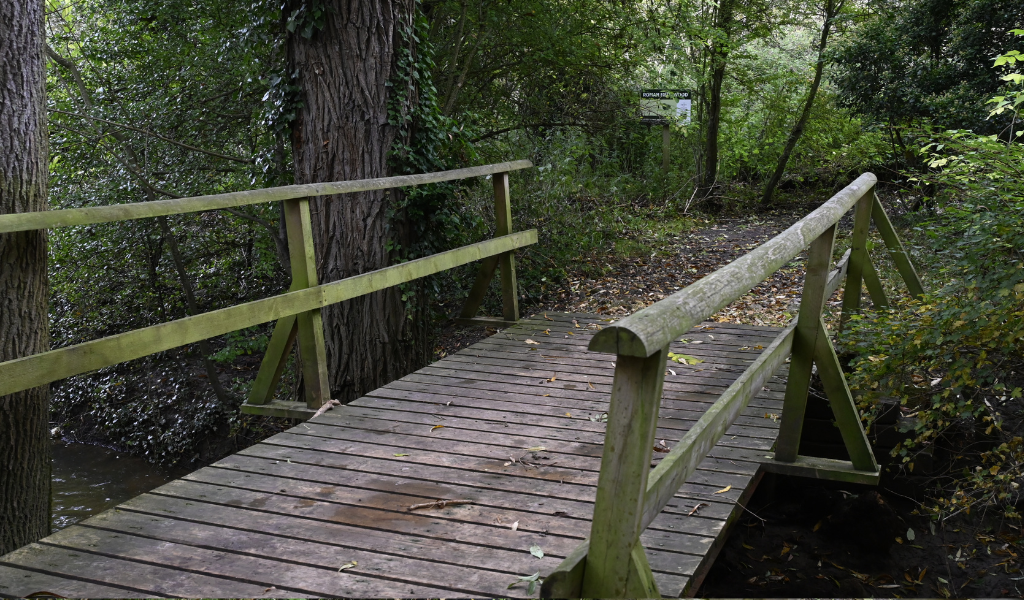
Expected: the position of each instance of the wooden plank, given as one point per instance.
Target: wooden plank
(31, 371)
(874, 285)
(22, 582)
(177, 206)
(507, 260)
(625, 463)
(647, 331)
(484, 276)
(245, 571)
(381, 568)
(134, 577)
(830, 469)
(274, 361)
(841, 400)
(812, 300)
(312, 349)
(897, 251)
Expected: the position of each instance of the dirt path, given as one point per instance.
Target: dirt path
(675, 261)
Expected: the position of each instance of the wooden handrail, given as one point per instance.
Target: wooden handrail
(39, 369)
(50, 219)
(612, 562)
(651, 329)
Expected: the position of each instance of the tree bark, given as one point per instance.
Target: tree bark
(720, 48)
(24, 291)
(342, 133)
(832, 8)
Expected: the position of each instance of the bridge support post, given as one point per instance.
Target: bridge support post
(811, 345)
(506, 262)
(307, 327)
(616, 565)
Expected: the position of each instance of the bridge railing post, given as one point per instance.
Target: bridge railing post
(616, 566)
(505, 262)
(307, 327)
(811, 345)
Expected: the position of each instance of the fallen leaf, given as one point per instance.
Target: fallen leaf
(910, 535)
(545, 395)
(696, 508)
(817, 525)
(436, 427)
(748, 546)
(529, 341)
(400, 454)
(547, 332)
(759, 347)
(591, 385)
(547, 317)
(724, 490)
(536, 551)
(920, 577)
(553, 377)
(899, 540)
(515, 526)
(326, 407)
(536, 449)
(671, 371)
(347, 565)
(531, 580)
(568, 414)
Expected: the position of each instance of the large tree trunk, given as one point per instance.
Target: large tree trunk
(342, 133)
(831, 9)
(24, 293)
(720, 48)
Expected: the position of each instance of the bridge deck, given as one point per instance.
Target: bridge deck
(282, 517)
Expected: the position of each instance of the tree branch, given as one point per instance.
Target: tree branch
(157, 135)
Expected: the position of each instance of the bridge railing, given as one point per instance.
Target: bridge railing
(297, 312)
(612, 562)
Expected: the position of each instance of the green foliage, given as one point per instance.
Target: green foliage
(926, 59)
(243, 342)
(956, 357)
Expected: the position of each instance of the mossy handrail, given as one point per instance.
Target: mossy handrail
(612, 563)
(298, 310)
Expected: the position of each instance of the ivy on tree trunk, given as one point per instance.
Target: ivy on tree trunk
(344, 54)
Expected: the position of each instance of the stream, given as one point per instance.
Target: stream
(90, 479)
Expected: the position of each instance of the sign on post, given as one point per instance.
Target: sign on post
(658, 106)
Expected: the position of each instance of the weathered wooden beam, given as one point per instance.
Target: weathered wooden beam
(812, 301)
(622, 482)
(507, 261)
(896, 250)
(140, 210)
(40, 369)
(283, 409)
(821, 468)
(312, 349)
(835, 276)
(672, 471)
(484, 276)
(274, 360)
(858, 258)
(874, 285)
(648, 330)
(841, 401)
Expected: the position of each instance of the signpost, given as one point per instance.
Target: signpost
(660, 106)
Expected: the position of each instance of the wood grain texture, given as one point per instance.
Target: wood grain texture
(645, 332)
(281, 517)
(29, 221)
(31, 371)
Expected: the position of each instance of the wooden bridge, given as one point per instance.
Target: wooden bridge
(566, 456)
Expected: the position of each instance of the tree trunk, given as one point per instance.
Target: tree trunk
(832, 8)
(719, 54)
(342, 133)
(24, 292)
